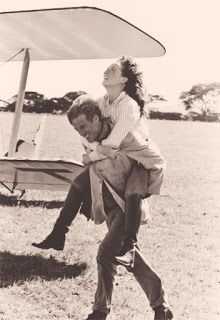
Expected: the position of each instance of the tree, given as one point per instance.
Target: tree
(66, 101)
(201, 97)
(31, 101)
(156, 97)
(36, 102)
(4, 102)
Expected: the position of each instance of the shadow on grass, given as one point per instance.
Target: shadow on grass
(20, 268)
(12, 200)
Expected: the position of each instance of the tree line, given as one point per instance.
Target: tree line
(200, 102)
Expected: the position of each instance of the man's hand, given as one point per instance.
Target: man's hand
(86, 160)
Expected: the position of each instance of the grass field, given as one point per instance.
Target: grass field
(182, 242)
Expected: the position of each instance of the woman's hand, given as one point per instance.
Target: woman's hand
(86, 160)
(108, 151)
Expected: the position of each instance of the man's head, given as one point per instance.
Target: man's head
(85, 116)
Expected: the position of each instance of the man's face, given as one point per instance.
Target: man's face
(86, 128)
(113, 76)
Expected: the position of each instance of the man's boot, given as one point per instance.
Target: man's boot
(97, 315)
(163, 313)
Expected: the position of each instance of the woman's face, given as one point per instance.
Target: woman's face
(113, 76)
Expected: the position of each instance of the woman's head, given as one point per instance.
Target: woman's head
(124, 75)
(113, 77)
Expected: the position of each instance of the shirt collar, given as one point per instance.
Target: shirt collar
(119, 98)
(105, 130)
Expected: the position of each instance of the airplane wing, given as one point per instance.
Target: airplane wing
(73, 33)
(43, 174)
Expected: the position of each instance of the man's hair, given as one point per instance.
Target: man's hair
(84, 104)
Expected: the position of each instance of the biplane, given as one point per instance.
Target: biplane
(59, 34)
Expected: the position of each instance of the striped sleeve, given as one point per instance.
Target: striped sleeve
(128, 115)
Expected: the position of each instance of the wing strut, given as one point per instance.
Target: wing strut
(19, 105)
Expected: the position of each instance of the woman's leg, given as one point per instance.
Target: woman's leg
(132, 220)
(76, 195)
(136, 188)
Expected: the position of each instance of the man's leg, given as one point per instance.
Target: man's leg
(149, 281)
(136, 189)
(106, 263)
(151, 284)
(76, 195)
(107, 267)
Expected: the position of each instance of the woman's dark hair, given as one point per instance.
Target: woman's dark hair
(84, 104)
(134, 85)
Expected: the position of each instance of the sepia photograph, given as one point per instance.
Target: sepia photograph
(109, 160)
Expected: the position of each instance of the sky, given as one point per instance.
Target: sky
(189, 30)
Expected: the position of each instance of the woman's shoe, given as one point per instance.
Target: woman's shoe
(127, 259)
(55, 240)
(126, 254)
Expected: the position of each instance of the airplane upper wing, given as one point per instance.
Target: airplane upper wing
(73, 33)
(41, 174)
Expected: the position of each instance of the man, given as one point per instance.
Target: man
(102, 188)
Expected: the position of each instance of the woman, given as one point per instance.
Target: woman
(124, 105)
